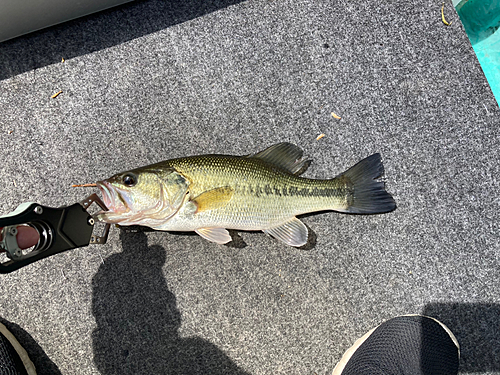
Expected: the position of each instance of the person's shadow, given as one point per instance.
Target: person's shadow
(138, 320)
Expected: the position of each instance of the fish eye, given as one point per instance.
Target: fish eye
(129, 180)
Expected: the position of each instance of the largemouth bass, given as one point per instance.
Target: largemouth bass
(209, 194)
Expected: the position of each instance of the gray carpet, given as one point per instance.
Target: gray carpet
(160, 79)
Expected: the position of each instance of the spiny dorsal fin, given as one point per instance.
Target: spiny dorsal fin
(286, 156)
(212, 199)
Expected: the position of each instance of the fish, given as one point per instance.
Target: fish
(209, 194)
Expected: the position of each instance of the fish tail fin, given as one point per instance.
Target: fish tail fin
(367, 195)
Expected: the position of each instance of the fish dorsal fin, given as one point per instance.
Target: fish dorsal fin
(293, 232)
(213, 199)
(217, 235)
(286, 156)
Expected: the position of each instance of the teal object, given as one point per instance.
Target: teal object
(481, 20)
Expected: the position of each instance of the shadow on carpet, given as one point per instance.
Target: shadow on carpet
(477, 329)
(99, 31)
(138, 320)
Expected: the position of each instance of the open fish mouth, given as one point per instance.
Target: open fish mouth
(111, 197)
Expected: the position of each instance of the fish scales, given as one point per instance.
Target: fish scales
(264, 195)
(209, 194)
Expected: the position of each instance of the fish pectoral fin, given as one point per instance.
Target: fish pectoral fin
(217, 235)
(293, 232)
(212, 199)
(286, 156)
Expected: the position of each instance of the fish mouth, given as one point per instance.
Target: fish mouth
(111, 198)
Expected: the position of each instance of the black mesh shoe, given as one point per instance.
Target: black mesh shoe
(13, 358)
(406, 345)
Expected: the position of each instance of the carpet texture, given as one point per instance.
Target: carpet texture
(154, 80)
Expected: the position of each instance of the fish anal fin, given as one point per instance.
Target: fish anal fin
(217, 235)
(293, 232)
(286, 156)
(213, 199)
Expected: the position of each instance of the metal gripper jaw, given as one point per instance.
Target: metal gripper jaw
(59, 229)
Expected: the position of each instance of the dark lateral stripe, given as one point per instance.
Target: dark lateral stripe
(287, 191)
(327, 192)
(258, 190)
